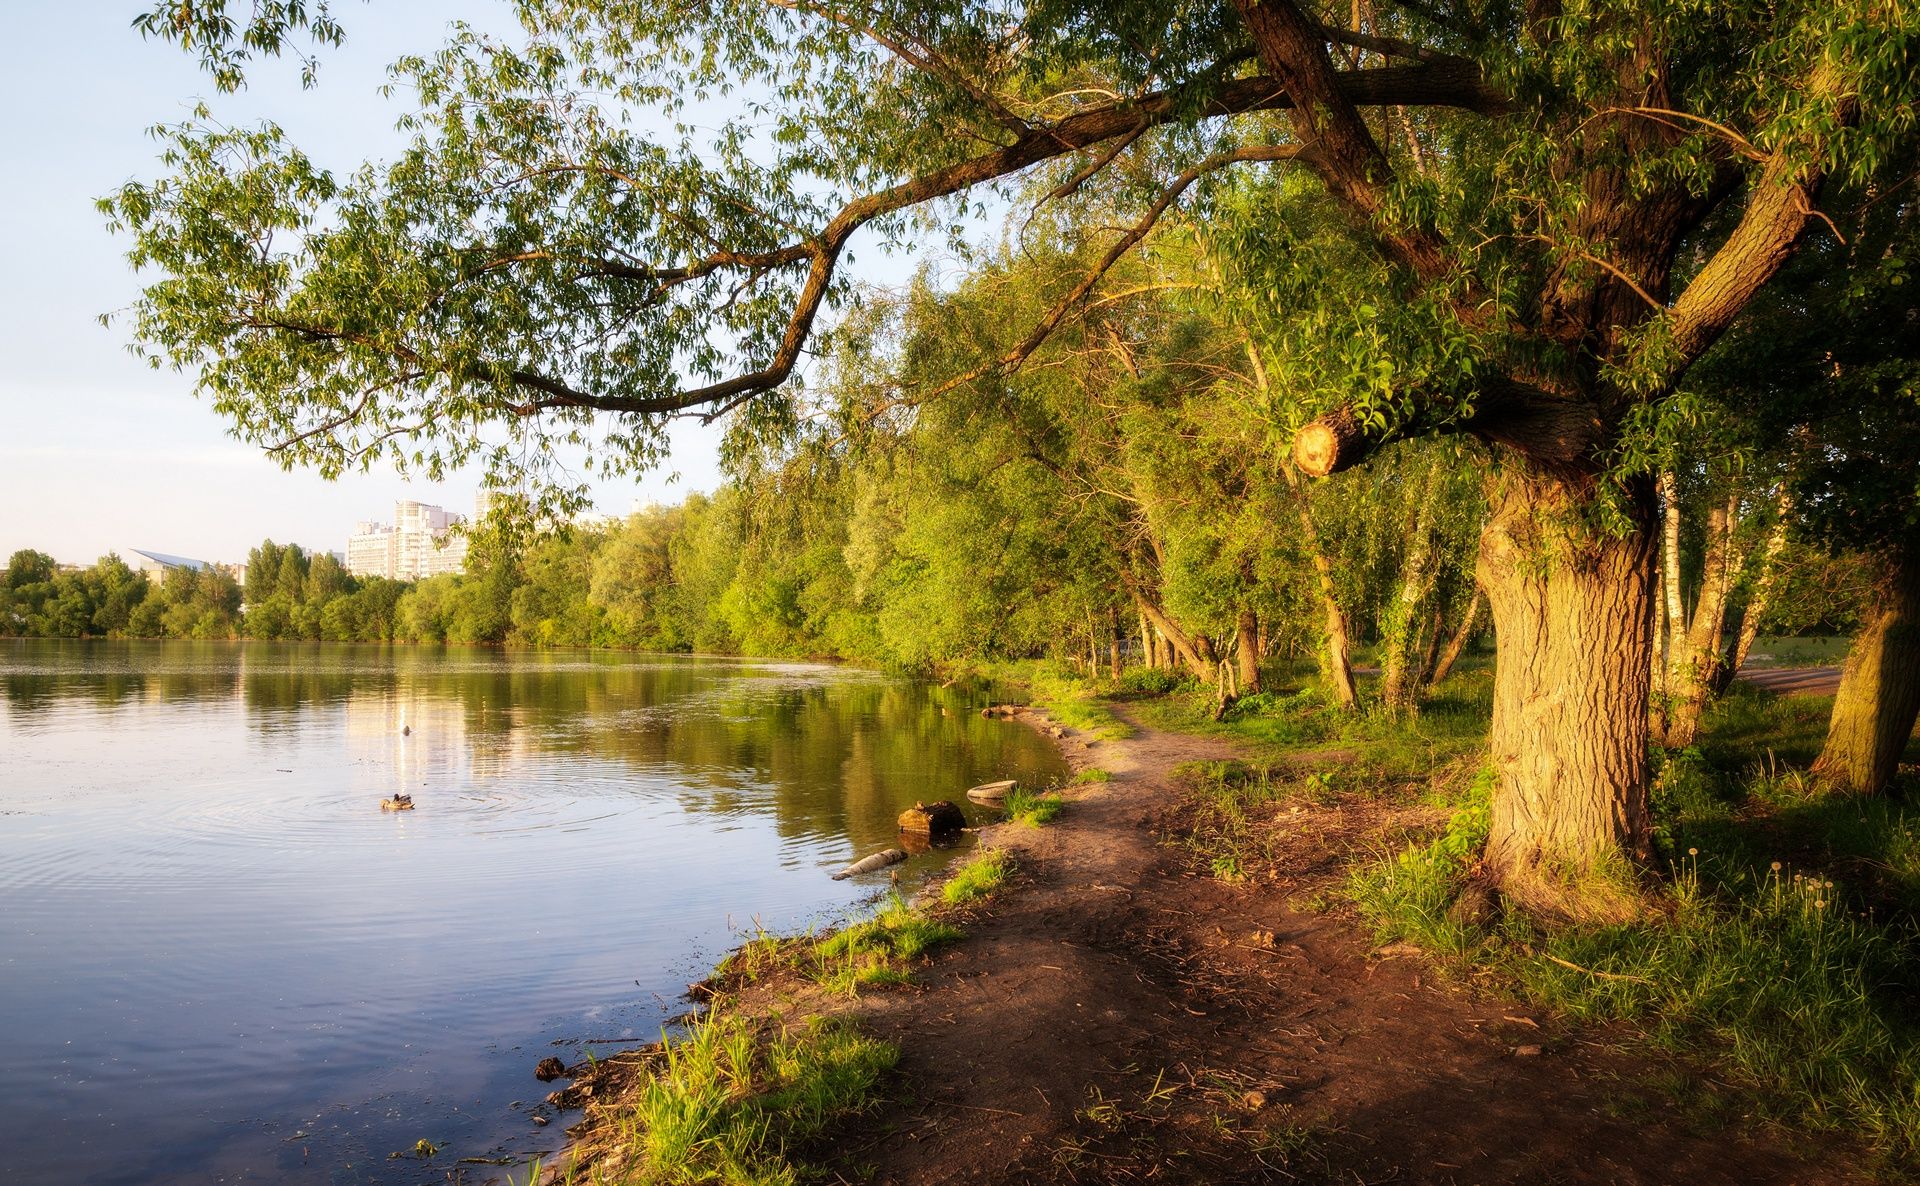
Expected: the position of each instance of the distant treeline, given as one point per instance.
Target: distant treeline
(902, 570)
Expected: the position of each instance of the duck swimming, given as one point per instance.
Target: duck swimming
(399, 802)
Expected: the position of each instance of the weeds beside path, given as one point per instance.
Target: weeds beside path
(1120, 1014)
(1120, 1010)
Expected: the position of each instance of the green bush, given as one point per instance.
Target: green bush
(1154, 681)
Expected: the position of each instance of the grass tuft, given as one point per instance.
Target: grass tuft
(1074, 701)
(1032, 808)
(978, 878)
(869, 954)
(729, 1102)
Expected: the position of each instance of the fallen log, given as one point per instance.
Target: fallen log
(993, 792)
(879, 860)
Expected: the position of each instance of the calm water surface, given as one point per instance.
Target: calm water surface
(219, 961)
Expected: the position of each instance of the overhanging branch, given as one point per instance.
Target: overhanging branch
(1552, 431)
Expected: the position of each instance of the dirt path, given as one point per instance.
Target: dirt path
(1794, 681)
(1116, 1016)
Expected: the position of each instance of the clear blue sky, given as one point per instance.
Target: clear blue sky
(98, 453)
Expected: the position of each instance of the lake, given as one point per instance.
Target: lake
(220, 961)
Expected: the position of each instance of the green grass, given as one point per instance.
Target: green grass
(1786, 943)
(978, 878)
(870, 954)
(1093, 774)
(1070, 698)
(730, 1102)
(1032, 808)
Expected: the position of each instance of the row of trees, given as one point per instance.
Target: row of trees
(38, 599)
(1637, 253)
(288, 594)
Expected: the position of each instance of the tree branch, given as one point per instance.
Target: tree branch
(1552, 431)
(1293, 49)
(1777, 210)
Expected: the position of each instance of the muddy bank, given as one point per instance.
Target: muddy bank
(1117, 1013)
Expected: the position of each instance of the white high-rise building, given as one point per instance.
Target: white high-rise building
(421, 542)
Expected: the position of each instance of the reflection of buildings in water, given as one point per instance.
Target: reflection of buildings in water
(437, 744)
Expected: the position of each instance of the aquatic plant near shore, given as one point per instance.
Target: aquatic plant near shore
(732, 1099)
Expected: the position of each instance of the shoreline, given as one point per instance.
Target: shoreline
(601, 1084)
(1116, 1010)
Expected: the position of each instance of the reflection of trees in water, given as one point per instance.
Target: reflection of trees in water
(830, 752)
(30, 693)
(107, 674)
(280, 684)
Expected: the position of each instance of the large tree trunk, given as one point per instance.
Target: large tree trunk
(1247, 650)
(1336, 657)
(1572, 612)
(1879, 699)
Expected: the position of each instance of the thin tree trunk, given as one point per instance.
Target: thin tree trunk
(1569, 815)
(1657, 663)
(1458, 642)
(1195, 652)
(1694, 655)
(1113, 643)
(1150, 650)
(1247, 650)
(1762, 594)
(1670, 551)
(1400, 632)
(1879, 698)
(1430, 648)
(1336, 662)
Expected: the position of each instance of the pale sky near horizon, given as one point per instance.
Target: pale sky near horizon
(97, 452)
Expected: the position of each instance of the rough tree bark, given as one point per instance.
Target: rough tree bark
(1573, 612)
(1879, 699)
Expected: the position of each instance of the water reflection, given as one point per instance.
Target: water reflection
(219, 957)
